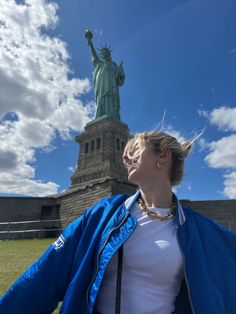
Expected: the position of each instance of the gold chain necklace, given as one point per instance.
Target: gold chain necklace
(153, 215)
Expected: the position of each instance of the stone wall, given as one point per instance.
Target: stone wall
(73, 204)
(26, 217)
(222, 211)
(123, 188)
(19, 208)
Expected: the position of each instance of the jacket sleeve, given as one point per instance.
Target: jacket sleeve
(45, 282)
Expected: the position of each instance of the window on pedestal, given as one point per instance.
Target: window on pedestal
(86, 148)
(122, 146)
(118, 144)
(92, 145)
(98, 143)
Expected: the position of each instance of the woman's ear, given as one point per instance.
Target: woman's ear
(165, 156)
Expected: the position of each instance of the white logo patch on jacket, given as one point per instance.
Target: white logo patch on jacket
(59, 243)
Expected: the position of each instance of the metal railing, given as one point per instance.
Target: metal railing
(30, 229)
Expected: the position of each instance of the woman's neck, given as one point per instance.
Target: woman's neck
(157, 196)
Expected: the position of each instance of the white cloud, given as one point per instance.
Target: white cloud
(230, 185)
(203, 144)
(35, 88)
(29, 187)
(203, 113)
(222, 153)
(171, 131)
(71, 169)
(224, 118)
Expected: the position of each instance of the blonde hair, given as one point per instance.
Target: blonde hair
(160, 141)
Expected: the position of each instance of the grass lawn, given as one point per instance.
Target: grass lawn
(16, 256)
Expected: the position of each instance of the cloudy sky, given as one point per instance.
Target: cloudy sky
(180, 64)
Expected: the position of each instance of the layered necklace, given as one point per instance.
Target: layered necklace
(152, 214)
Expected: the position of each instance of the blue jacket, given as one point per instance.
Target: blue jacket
(72, 268)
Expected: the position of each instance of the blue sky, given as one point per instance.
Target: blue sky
(180, 64)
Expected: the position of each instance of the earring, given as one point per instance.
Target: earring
(158, 166)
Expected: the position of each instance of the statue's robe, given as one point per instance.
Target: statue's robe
(107, 76)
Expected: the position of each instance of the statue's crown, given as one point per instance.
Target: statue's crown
(106, 48)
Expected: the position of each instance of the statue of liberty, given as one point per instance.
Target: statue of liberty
(107, 77)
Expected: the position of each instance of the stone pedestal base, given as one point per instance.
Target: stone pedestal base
(75, 201)
(100, 171)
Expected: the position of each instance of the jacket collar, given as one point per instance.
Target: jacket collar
(179, 210)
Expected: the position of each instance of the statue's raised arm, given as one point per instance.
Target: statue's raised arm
(89, 36)
(107, 77)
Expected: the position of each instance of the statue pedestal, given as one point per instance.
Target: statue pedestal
(101, 148)
(105, 117)
(100, 171)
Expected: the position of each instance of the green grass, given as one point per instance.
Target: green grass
(16, 256)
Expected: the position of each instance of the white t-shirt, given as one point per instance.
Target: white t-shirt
(152, 269)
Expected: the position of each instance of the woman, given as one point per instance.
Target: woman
(142, 254)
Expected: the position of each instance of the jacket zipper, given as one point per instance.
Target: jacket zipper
(99, 254)
(185, 275)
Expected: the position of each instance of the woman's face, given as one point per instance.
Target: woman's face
(146, 169)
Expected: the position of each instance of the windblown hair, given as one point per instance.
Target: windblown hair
(159, 141)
